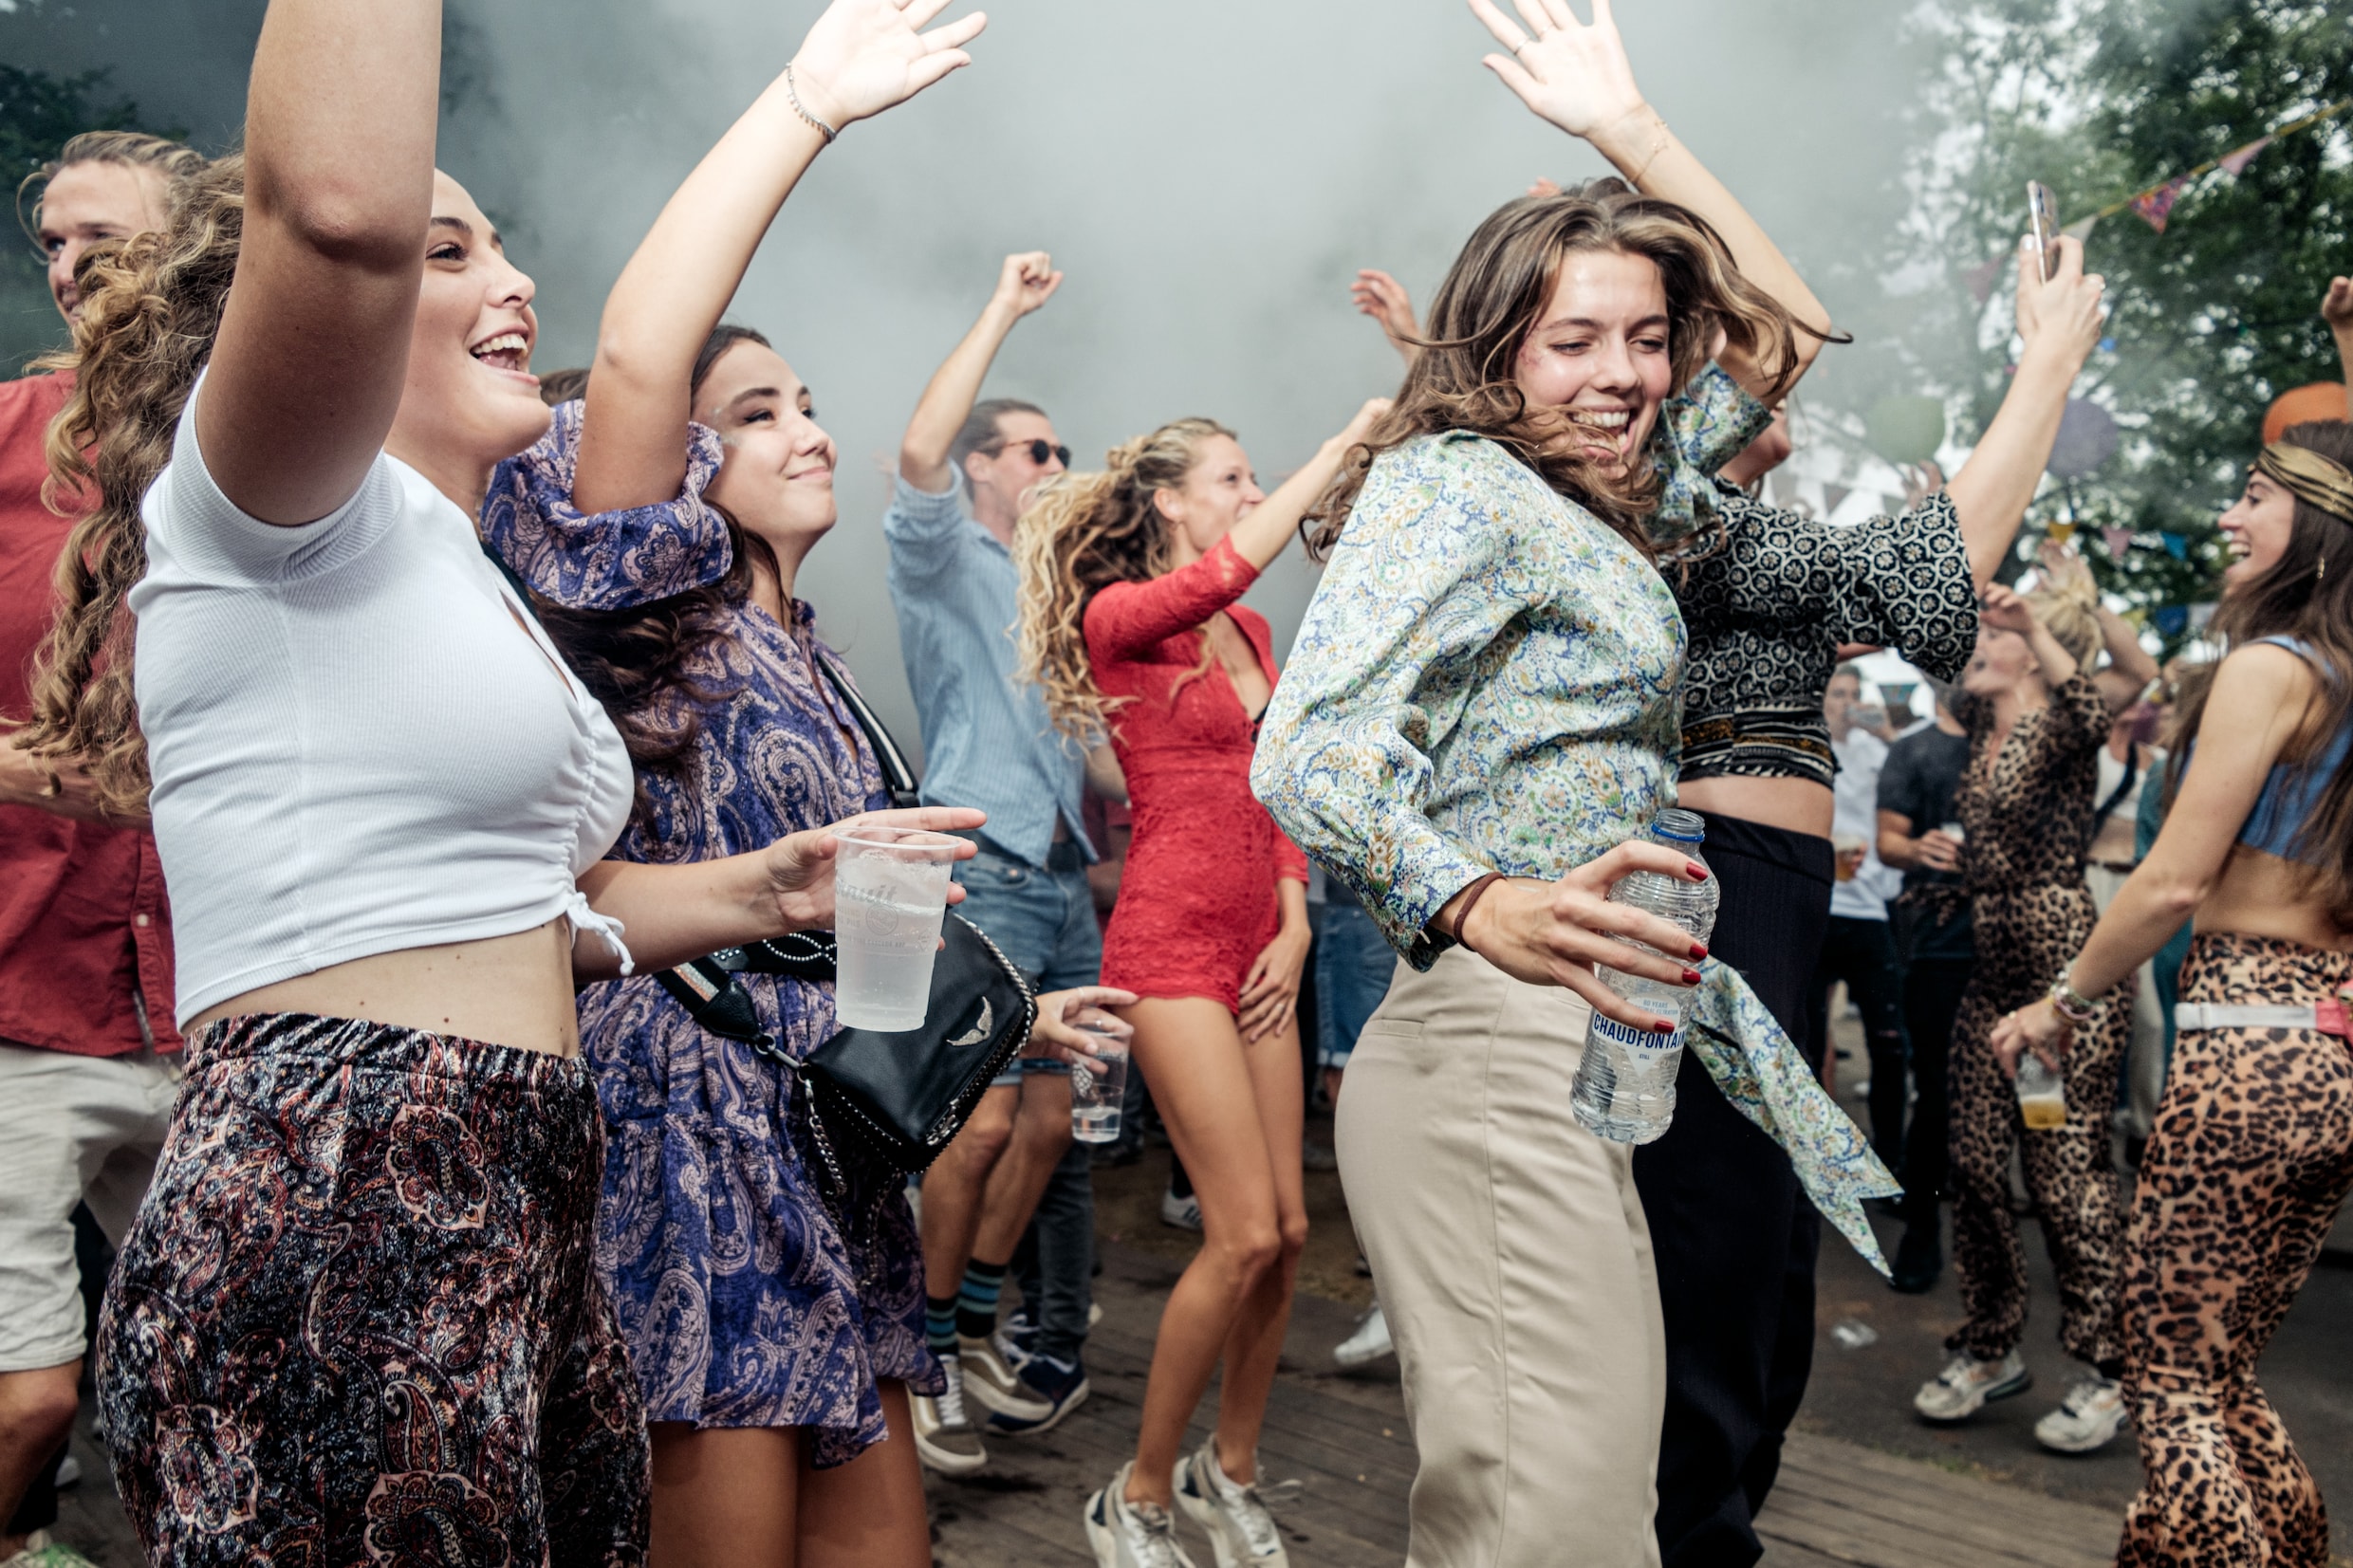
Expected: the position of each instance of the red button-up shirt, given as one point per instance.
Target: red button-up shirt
(86, 935)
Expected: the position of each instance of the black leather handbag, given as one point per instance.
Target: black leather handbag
(875, 1098)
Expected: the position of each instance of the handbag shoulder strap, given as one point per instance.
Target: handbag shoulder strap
(897, 778)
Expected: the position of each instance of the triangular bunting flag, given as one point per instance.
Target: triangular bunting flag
(2235, 164)
(1834, 496)
(2118, 542)
(1981, 279)
(2081, 229)
(2155, 205)
(2173, 620)
(2178, 545)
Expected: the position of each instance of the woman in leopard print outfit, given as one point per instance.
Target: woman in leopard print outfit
(2037, 719)
(2253, 1152)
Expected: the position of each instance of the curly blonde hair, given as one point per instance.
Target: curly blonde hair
(150, 308)
(1085, 531)
(1495, 294)
(2071, 616)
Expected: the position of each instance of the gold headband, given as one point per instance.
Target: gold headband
(2310, 477)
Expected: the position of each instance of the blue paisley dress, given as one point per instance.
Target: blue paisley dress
(743, 1301)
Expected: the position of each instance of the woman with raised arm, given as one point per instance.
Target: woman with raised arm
(2038, 717)
(2252, 1153)
(1769, 597)
(775, 1333)
(357, 1320)
(1130, 623)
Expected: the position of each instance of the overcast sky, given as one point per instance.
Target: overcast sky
(1210, 175)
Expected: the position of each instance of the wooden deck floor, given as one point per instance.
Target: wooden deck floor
(1344, 1437)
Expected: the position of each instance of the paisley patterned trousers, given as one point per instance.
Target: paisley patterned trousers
(356, 1320)
(2251, 1159)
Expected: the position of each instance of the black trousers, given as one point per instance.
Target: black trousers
(1932, 998)
(1863, 953)
(1733, 1233)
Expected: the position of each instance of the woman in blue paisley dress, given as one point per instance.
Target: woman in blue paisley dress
(775, 1334)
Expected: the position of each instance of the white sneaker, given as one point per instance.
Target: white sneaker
(2087, 1419)
(1240, 1529)
(1184, 1213)
(995, 1386)
(944, 1436)
(1131, 1535)
(1962, 1389)
(1370, 1341)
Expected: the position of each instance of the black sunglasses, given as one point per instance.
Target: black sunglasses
(1039, 451)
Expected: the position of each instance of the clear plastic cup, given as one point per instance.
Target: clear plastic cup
(1095, 1098)
(2042, 1098)
(890, 893)
(1955, 832)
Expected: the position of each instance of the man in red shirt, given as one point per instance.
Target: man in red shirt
(88, 1057)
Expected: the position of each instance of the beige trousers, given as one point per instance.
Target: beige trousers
(1512, 1260)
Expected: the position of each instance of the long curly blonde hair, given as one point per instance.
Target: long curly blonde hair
(1085, 531)
(150, 308)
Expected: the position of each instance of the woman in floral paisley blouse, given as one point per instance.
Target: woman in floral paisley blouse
(659, 525)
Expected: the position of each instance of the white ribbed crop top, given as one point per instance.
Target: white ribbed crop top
(359, 741)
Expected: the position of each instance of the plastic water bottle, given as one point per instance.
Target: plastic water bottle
(1625, 1089)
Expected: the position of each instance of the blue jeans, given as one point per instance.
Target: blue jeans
(1044, 919)
(1354, 965)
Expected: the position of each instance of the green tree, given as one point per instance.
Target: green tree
(2215, 315)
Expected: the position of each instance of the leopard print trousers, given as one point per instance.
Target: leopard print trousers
(2251, 1159)
(2024, 936)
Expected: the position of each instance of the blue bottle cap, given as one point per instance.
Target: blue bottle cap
(1684, 827)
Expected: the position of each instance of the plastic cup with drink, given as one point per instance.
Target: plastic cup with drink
(2041, 1096)
(1095, 1096)
(1849, 851)
(890, 895)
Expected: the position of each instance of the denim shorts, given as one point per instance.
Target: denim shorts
(1043, 917)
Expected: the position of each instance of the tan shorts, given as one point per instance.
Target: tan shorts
(72, 1129)
(1509, 1250)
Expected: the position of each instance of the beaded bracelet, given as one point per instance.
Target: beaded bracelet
(2070, 1004)
(792, 91)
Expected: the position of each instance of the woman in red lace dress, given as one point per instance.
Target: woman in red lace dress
(1129, 620)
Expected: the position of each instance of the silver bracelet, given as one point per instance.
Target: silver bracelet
(794, 92)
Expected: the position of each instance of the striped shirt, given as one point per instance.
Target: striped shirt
(987, 739)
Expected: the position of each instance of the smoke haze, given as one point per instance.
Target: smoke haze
(1210, 176)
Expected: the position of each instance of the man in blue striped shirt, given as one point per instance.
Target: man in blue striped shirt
(988, 743)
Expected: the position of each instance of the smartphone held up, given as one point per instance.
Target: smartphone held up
(2043, 224)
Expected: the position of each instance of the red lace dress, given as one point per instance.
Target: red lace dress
(1197, 901)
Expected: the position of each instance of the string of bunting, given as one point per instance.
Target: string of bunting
(2155, 204)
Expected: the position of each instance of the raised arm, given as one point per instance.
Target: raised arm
(1266, 528)
(861, 57)
(2129, 669)
(1384, 299)
(1577, 78)
(2337, 310)
(314, 342)
(2061, 321)
(1025, 282)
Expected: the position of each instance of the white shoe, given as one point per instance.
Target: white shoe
(944, 1436)
(1184, 1213)
(1131, 1535)
(1962, 1389)
(1370, 1341)
(1240, 1529)
(68, 1472)
(993, 1384)
(2087, 1419)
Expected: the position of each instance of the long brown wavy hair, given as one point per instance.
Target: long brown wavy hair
(2308, 595)
(1495, 294)
(151, 307)
(642, 662)
(1084, 532)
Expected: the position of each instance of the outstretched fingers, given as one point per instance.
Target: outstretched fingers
(956, 34)
(1507, 33)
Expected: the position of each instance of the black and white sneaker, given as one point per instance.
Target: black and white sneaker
(1240, 1529)
(1131, 1535)
(1061, 1386)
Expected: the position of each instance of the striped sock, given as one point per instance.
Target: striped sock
(939, 1324)
(976, 1304)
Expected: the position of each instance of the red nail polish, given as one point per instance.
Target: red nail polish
(1698, 873)
(1690, 977)
(1698, 950)
(1662, 1027)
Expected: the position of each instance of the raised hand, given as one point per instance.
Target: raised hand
(1576, 76)
(864, 56)
(1027, 282)
(2067, 313)
(2065, 570)
(1540, 187)
(2337, 304)
(2006, 610)
(1384, 299)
